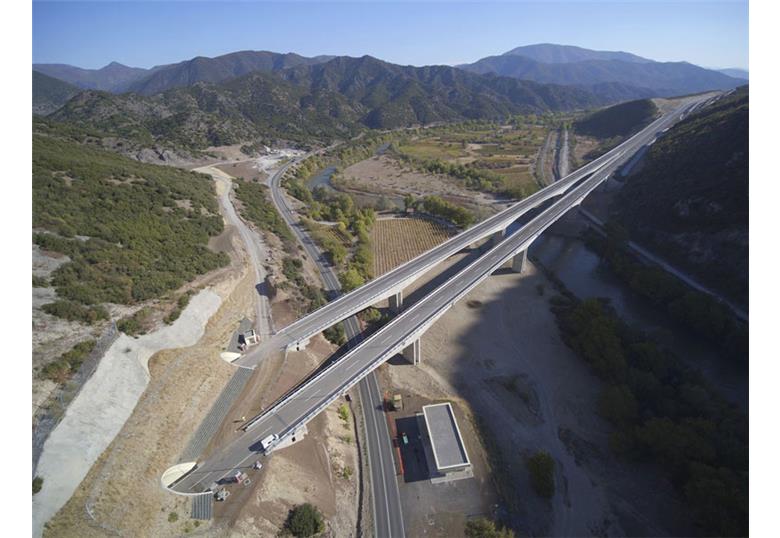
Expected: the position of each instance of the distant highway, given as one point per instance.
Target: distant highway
(293, 411)
(298, 333)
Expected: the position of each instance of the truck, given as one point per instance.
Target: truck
(398, 403)
(268, 441)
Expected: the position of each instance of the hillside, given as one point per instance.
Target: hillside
(50, 93)
(132, 231)
(618, 120)
(646, 78)
(113, 77)
(689, 201)
(315, 102)
(219, 69)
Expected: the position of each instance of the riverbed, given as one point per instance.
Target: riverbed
(582, 272)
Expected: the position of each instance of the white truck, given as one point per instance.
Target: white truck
(268, 441)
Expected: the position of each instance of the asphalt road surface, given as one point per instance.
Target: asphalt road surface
(386, 501)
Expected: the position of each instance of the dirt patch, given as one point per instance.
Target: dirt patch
(527, 391)
(321, 469)
(246, 170)
(383, 175)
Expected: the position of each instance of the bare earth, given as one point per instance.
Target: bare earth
(382, 175)
(498, 354)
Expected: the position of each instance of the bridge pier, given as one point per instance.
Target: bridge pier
(300, 345)
(519, 261)
(413, 352)
(396, 301)
(496, 238)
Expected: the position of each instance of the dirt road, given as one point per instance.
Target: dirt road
(253, 242)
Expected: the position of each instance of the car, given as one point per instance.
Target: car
(405, 438)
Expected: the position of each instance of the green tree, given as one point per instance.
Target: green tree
(408, 202)
(351, 279)
(541, 467)
(305, 520)
(37, 484)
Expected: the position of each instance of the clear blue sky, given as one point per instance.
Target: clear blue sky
(143, 34)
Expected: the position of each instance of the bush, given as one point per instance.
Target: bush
(484, 528)
(541, 467)
(173, 517)
(37, 484)
(39, 282)
(305, 520)
(181, 304)
(344, 412)
(336, 334)
(135, 324)
(75, 312)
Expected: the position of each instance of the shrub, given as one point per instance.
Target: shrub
(75, 312)
(39, 282)
(484, 528)
(173, 517)
(344, 412)
(305, 520)
(135, 324)
(37, 484)
(336, 334)
(541, 467)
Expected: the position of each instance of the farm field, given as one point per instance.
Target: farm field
(509, 151)
(397, 241)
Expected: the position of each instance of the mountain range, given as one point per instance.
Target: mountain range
(118, 78)
(574, 66)
(253, 94)
(324, 100)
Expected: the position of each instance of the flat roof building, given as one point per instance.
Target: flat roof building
(449, 452)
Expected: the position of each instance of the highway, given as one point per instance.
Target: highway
(314, 395)
(386, 500)
(386, 285)
(320, 391)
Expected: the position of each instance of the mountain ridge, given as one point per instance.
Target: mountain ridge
(644, 77)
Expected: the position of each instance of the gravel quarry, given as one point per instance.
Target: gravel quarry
(105, 402)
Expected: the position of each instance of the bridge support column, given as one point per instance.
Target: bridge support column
(413, 353)
(496, 238)
(396, 301)
(519, 261)
(297, 346)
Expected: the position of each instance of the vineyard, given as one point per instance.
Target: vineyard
(399, 240)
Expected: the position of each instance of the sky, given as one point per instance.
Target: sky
(144, 34)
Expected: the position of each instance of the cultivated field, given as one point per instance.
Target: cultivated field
(399, 240)
(509, 151)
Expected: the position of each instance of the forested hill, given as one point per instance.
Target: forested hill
(318, 102)
(50, 93)
(132, 231)
(618, 120)
(689, 201)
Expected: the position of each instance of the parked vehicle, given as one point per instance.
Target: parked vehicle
(268, 441)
